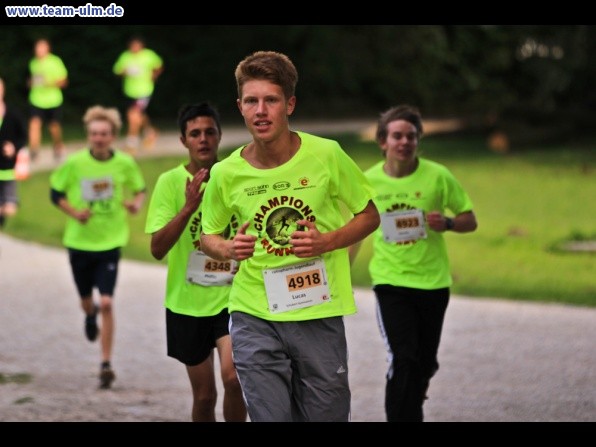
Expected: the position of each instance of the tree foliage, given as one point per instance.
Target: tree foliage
(535, 74)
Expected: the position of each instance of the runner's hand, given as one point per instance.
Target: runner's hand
(436, 221)
(193, 192)
(243, 245)
(309, 242)
(82, 216)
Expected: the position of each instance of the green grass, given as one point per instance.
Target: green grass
(19, 378)
(526, 203)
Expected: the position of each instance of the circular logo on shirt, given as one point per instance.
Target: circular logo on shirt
(281, 223)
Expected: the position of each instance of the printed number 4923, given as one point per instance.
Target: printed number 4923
(407, 222)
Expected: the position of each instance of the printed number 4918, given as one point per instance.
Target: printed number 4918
(304, 280)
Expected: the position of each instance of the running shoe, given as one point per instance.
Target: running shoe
(91, 329)
(106, 376)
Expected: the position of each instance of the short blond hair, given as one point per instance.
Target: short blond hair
(99, 113)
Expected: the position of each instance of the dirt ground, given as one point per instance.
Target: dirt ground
(500, 360)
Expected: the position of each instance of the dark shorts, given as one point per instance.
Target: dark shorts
(94, 269)
(8, 192)
(47, 115)
(192, 339)
(140, 103)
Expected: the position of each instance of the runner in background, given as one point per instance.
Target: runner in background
(197, 288)
(13, 137)
(48, 76)
(409, 266)
(139, 67)
(92, 187)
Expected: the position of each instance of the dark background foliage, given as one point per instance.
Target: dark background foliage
(533, 76)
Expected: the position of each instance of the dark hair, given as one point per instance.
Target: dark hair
(136, 38)
(191, 111)
(403, 112)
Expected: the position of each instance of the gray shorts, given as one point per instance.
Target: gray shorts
(292, 371)
(8, 192)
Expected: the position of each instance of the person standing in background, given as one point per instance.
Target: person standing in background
(13, 137)
(409, 266)
(139, 67)
(90, 187)
(48, 76)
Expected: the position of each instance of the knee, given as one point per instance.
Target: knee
(134, 113)
(205, 400)
(429, 369)
(406, 366)
(406, 362)
(230, 382)
(105, 306)
(9, 210)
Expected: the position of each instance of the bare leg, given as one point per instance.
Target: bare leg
(234, 409)
(149, 132)
(87, 305)
(56, 134)
(34, 136)
(106, 374)
(135, 122)
(9, 209)
(204, 392)
(107, 327)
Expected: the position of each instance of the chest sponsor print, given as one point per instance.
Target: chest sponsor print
(277, 220)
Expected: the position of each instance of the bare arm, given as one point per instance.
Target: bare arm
(62, 83)
(133, 206)
(311, 242)
(462, 223)
(82, 216)
(8, 149)
(156, 73)
(163, 240)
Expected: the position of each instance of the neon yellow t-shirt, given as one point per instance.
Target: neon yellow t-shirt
(45, 72)
(137, 69)
(423, 263)
(182, 296)
(311, 186)
(99, 186)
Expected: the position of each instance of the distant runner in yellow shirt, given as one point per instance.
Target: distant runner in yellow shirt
(48, 76)
(139, 67)
(93, 187)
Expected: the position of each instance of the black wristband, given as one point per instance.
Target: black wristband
(449, 224)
